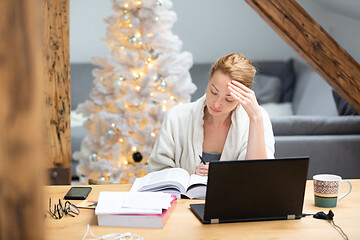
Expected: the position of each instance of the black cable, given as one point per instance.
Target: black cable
(330, 218)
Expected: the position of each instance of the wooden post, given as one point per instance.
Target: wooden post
(57, 90)
(314, 44)
(21, 160)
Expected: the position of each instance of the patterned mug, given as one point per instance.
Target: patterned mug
(327, 188)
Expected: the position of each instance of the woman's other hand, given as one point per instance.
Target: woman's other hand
(246, 97)
(202, 169)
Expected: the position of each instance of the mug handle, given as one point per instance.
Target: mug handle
(344, 195)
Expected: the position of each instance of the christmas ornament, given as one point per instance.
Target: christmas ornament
(158, 3)
(110, 133)
(157, 77)
(133, 40)
(118, 83)
(93, 157)
(154, 54)
(162, 85)
(125, 17)
(137, 157)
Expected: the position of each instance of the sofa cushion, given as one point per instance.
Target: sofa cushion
(287, 75)
(267, 88)
(312, 96)
(343, 107)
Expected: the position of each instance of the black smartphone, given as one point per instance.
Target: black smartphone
(78, 193)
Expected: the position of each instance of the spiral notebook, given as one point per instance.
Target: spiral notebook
(254, 190)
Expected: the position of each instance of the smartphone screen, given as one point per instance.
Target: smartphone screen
(78, 193)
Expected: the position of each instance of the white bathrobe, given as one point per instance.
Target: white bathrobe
(180, 141)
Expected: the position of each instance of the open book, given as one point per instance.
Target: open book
(172, 180)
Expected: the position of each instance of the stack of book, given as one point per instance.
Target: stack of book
(134, 209)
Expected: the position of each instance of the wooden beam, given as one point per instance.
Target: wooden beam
(314, 44)
(57, 89)
(21, 159)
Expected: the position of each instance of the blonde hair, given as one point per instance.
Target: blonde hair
(237, 67)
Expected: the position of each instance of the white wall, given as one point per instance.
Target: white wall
(210, 29)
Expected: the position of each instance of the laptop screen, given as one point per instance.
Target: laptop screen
(256, 189)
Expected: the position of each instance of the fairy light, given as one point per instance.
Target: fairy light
(133, 149)
(138, 3)
(172, 98)
(130, 25)
(163, 108)
(126, 5)
(122, 47)
(153, 134)
(136, 75)
(121, 140)
(138, 88)
(156, 18)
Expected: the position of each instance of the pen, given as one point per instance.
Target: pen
(202, 161)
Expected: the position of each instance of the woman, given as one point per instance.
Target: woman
(225, 124)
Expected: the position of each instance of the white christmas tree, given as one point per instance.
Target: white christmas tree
(144, 76)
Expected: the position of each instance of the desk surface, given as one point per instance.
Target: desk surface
(183, 224)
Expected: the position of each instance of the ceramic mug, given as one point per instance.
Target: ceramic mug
(327, 188)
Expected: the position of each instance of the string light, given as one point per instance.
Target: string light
(138, 88)
(121, 140)
(153, 134)
(136, 75)
(126, 5)
(133, 149)
(172, 97)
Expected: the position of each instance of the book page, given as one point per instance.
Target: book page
(197, 179)
(172, 176)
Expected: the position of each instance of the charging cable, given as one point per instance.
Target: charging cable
(112, 236)
(330, 218)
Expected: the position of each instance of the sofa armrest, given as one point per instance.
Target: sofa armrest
(315, 125)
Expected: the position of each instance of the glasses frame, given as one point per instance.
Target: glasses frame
(60, 211)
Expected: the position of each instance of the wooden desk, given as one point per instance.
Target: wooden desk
(183, 224)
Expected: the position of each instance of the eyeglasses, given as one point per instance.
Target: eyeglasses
(59, 211)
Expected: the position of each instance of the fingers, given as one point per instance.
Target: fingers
(238, 85)
(202, 169)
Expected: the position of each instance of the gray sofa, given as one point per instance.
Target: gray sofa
(313, 129)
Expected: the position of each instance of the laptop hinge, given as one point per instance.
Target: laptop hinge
(291, 217)
(214, 220)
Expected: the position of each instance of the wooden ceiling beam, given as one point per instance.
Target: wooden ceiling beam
(313, 44)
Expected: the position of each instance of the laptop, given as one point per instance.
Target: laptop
(254, 190)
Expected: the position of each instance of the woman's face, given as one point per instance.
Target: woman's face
(219, 102)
